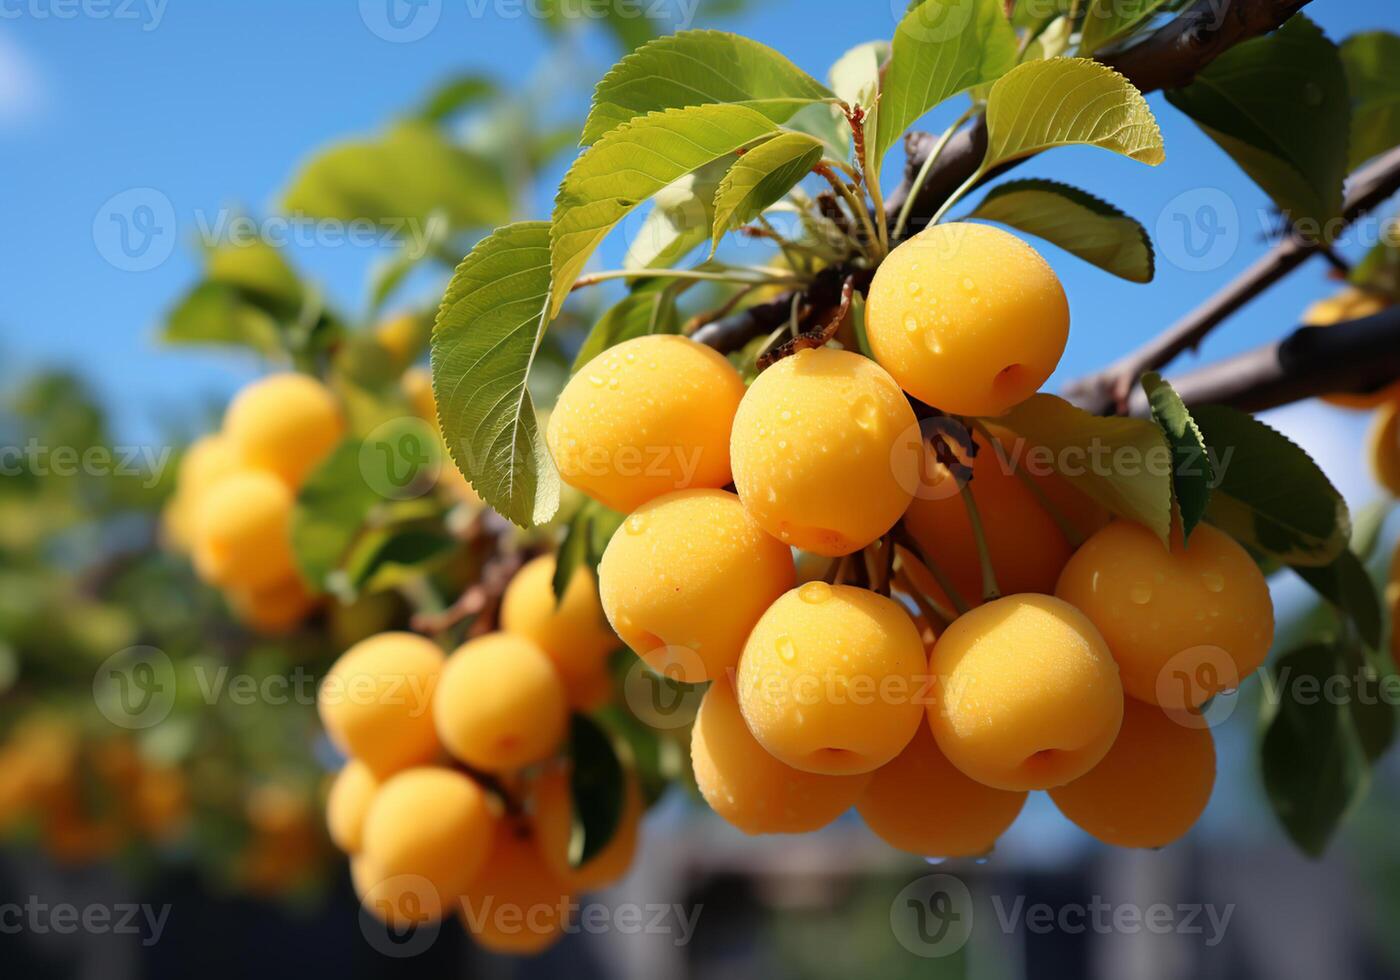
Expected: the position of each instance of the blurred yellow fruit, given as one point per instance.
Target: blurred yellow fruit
(832, 679)
(751, 789)
(646, 417)
(432, 827)
(348, 802)
(572, 631)
(825, 451)
(286, 424)
(1383, 447)
(243, 532)
(403, 335)
(208, 460)
(1027, 694)
(1183, 624)
(967, 318)
(1351, 304)
(518, 905)
(275, 609)
(376, 701)
(500, 704)
(553, 818)
(685, 579)
(921, 803)
(1150, 788)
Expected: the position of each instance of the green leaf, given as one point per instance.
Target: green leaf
(399, 181)
(1314, 763)
(855, 78)
(1370, 60)
(1064, 102)
(1108, 20)
(760, 177)
(1278, 105)
(456, 94)
(694, 68)
(329, 512)
(585, 539)
(598, 787)
(1192, 472)
(1373, 707)
(1270, 495)
(628, 166)
(1346, 584)
(386, 557)
(1078, 222)
(215, 313)
(941, 48)
(1125, 464)
(1367, 524)
(487, 333)
(651, 308)
(680, 218)
(259, 272)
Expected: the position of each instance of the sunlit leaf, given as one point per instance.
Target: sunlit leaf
(1108, 20)
(760, 177)
(1372, 63)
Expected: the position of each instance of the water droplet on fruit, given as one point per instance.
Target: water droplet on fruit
(1213, 581)
(786, 416)
(1140, 594)
(915, 289)
(636, 524)
(631, 358)
(911, 323)
(931, 341)
(968, 284)
(612, 384)
(814, 592)
(867, 414)
(595, 381)
(787, 650)
(782, 443)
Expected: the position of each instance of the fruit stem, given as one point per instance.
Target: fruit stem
(934, 611)
(953, 198)
(856, 204)
(1072, 534)
(906, 541)
(990, 590)
(908, 207)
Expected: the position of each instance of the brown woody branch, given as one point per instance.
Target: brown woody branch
(1109, 389)
(1169, 57)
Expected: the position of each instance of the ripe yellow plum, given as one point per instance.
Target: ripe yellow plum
(967, 317)
(921, 803)
(500, 704)
(348, 802)
(243, 532)
(825, 451)
(552, 818)
(832, 679)
(685, 579)
(518, 905)
(285, 424)
(1183, 624)
(751, 789)
(431, 826)
(208, 460)
(376, 701)
(1151, 787)
(1027, 694)
(573, 630)
(276, 609)
(646, 417)
(1351, 304)
(1383, 446)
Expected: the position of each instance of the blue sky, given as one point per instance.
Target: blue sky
(213, 103)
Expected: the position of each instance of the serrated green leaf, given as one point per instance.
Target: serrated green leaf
(1373, 81)
(1346, 584)
(1065, 102)
(651, 308)
(1269, 494)
(692, 68)
(330, 510)
(487, 333)
(598, 787)
(399, 181)
(1078, 222)
(1278, 105)
(1108, 20)
(1312, 757)
(760, 177)
(628, 166)
(1125, 464)
(680, 219)
(1192, 472)
(941, 48)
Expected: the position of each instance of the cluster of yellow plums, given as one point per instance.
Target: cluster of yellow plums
(456, 795)
(826, 695)
(235, 490)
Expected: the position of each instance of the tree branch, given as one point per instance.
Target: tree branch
(1170, 56)
(1107, 390)
(1352, 357)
